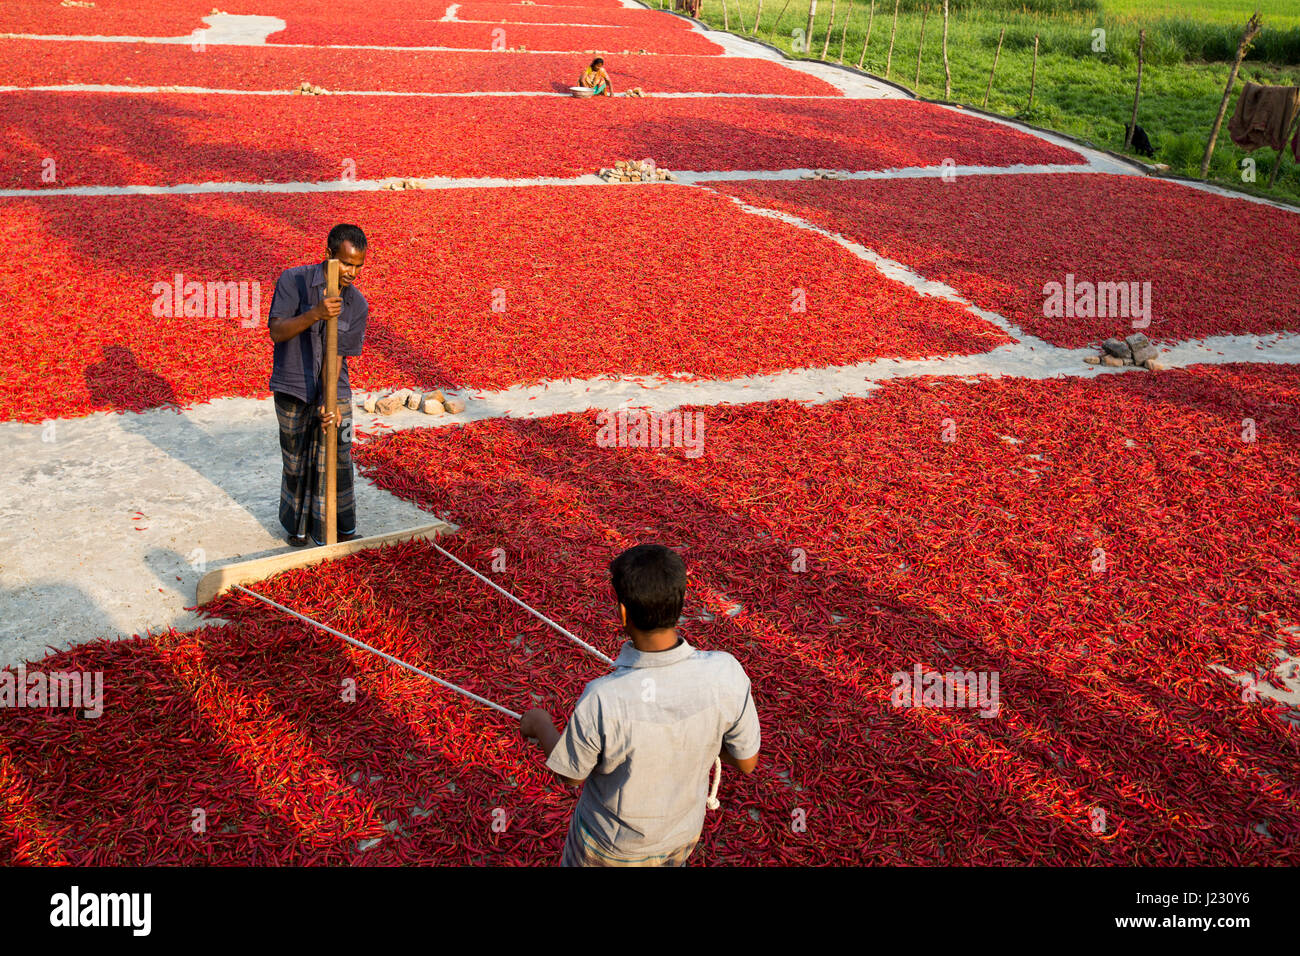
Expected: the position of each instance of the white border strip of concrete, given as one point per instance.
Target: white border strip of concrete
(683, 178)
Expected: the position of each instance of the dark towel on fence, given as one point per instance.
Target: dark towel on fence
(1263, 116)
(302, 488)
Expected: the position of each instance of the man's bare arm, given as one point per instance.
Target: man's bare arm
(745, 766)
(283, 328)
(537, 724)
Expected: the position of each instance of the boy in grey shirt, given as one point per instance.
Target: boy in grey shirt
(642, 739)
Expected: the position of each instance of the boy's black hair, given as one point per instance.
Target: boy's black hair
(650, 581)
(346, 232)
(599, 61)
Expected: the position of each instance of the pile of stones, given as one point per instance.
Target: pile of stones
(1134, 350)
(416, 400)
(636, 171)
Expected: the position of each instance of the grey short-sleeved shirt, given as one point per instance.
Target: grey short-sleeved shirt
(645, 738)
(297, 363)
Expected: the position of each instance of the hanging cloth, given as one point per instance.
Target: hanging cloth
(1263, 116)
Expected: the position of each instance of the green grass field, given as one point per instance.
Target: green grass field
(1085, 79)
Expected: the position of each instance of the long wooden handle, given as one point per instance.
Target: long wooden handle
(330, 384)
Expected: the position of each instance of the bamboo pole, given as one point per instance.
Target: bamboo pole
(740, 16)
(889, 57)
(726, 22)
(772, 36)
(1253, 27)
(330, 370)
(997, 53)
(867, 42)
(1137, 93)
(830, 29)
(758, 15)
(844, 30)
(808, 33)
(925, 12)
(1033, 75)
(947, 70)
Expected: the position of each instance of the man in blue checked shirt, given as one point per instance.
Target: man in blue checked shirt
(296, 321)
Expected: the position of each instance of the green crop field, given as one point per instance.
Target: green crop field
(1280, 13)
(1087, 64)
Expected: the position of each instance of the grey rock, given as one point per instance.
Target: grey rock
(1141, 348)
(1117, 348)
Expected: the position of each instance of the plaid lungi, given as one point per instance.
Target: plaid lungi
(581, 850)
(302, 487)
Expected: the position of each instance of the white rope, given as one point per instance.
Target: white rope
(374, 650)
(711, 801)
(537, 614)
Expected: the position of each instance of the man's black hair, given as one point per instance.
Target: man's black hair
(346, 232)
(650, 581)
